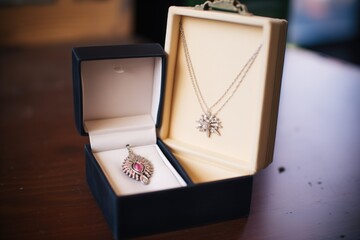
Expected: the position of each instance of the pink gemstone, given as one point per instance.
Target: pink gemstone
(138, 167)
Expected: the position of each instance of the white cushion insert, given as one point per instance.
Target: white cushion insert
(164, 176)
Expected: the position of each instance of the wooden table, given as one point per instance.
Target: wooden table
(311, 191)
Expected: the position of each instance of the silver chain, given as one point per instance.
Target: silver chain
(236, 82)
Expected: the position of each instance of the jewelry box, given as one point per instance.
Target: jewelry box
(131, 99)
(118, 99)
(239, 55)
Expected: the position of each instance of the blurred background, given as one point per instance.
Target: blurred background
(327, 26)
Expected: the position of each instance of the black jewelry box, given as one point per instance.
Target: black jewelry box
(123, 95)
(159, 210)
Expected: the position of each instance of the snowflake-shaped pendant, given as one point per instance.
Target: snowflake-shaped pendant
(209, 123)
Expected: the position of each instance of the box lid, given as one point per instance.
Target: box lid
(219, 45)
(118, 87)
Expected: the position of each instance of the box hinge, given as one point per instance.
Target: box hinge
(224, 5)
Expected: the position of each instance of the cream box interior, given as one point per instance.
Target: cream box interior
(121, 99)
(219, 45)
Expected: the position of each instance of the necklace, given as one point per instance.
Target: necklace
(209, 123)
(137, 167)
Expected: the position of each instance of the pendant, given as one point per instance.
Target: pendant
(137, 167)
(209, 124)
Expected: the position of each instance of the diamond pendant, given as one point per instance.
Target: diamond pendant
(137, 167)
(209, 124)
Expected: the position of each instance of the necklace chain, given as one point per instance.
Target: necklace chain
(235, 84)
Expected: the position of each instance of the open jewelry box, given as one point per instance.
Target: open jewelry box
(220, 46)
(130, 94)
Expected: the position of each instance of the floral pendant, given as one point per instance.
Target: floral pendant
(137, 167)
(209, 124)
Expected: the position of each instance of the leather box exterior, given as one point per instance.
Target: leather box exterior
(168, 210)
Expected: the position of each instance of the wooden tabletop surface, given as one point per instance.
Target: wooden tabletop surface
(310, 191)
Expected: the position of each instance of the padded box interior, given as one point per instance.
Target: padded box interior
(121, 100)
